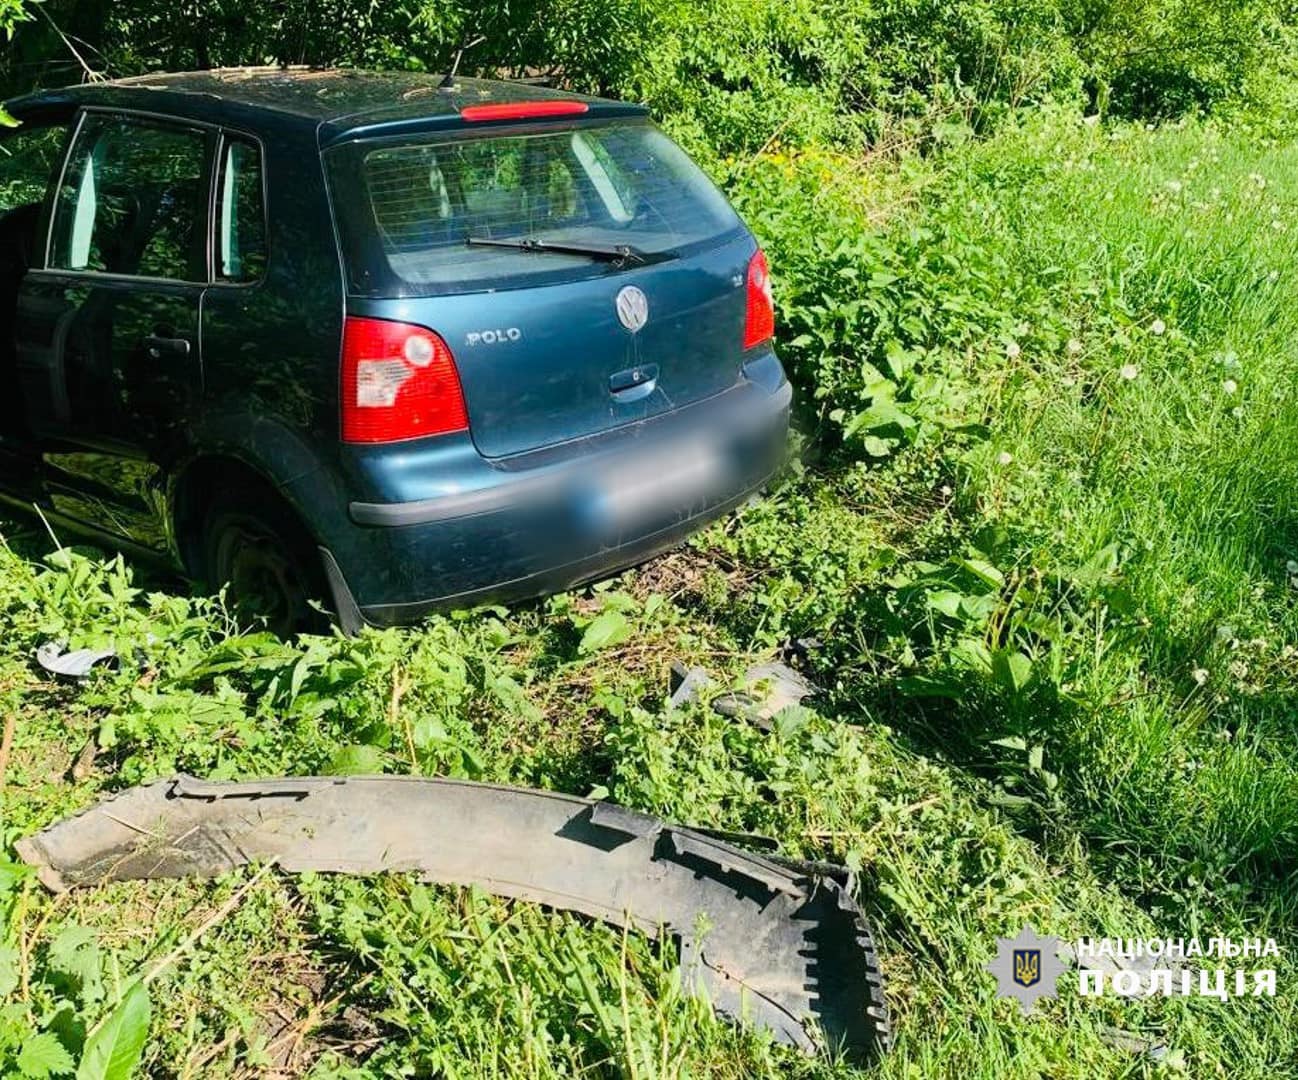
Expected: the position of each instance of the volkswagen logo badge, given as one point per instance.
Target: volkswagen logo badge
(632, 308)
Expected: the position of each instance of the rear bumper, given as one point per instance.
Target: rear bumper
(553, 579)
(547, 528)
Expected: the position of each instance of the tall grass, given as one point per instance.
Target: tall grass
(1171, 430)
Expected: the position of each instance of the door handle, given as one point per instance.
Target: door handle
(634, 383)
(156, 345)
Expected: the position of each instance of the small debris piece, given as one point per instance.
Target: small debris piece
(85, 763)
(767, 690)
(71, 665)
(686, 684)
(1132, 1043)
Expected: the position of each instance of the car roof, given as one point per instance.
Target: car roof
(340, 102)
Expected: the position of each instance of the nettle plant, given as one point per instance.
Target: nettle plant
(1006, 641)
(878, 323)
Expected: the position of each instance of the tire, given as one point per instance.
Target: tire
(256, 548)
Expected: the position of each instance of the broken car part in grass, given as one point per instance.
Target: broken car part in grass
(765, 691)
(778, 943)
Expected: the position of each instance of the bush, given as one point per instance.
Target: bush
(729, 75)
(1173, 57)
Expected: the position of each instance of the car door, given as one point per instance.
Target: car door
(30, 157)
(108, 328)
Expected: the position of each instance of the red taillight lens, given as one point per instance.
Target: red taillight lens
(759, 325)
(522, 110)
(398, 382)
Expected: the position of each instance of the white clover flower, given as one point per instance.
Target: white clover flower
(1129, 371)
(1074, 347)
(1200, 675)
(1004, 458)
(1174, 186)
(1158, 328)
(1013, 351)
(1230, 386)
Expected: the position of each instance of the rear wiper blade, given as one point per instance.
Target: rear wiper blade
(615, 253)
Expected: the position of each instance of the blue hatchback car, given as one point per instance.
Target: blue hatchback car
(395, 342)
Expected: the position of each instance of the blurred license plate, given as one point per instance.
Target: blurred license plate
(665, 481)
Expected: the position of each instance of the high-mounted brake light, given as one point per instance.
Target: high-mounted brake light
(398, 382)
(759, 323)
(522, 110)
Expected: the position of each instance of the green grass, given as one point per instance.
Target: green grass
(1129, 540)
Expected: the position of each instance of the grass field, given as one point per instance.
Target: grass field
(1044, 530)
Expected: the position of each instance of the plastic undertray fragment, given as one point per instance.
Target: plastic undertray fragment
(774, 943)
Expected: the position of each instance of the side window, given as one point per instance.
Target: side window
(241, 215)
(132, 200)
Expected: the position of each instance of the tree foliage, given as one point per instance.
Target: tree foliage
(732, 74)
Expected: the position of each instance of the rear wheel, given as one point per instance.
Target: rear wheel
(267, 562)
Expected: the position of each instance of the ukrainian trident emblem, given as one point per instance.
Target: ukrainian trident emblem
(1027, 966)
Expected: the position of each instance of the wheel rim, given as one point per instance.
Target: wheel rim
(264, 585)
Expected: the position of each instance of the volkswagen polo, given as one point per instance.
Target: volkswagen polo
(393, 342)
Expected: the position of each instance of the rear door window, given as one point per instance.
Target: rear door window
(133, 200)
(240, 213)
(410, 211)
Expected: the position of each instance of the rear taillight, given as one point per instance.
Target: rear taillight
(759, 325)
(398, 382)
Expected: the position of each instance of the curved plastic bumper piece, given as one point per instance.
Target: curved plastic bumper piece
(785, 945)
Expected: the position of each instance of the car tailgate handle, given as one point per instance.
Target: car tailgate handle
(156, 344)
(634, 383)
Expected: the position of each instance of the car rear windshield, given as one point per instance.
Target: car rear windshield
(414, 214)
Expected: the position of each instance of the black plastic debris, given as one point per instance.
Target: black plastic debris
(782, 947)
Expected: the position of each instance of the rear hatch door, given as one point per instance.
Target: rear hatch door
(469, 235)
